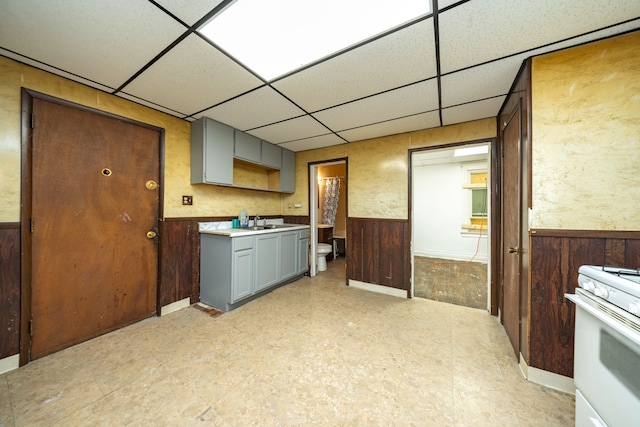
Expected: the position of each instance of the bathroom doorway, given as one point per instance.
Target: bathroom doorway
(451, 217)
(328, 189)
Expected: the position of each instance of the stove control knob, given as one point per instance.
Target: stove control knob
(588, 286)
(634, 308)
(601, 292)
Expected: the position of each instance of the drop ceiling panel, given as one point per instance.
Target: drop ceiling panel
(105, 41)
(484, 81)
(191, 77)
(445, 3)
(150, 104)
(483, 30)
(406, 101)
(313, 143)
(257, 108)
(54, 70)
(472, 111)
(392, 127)
(607, 32)
(290, 130)
(189, 11)
(404, 57)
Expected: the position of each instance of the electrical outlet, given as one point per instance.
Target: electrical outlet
(187, 200)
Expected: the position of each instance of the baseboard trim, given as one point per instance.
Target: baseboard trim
(175, 306)
(10, 363)
(546, 378)
(394, 292)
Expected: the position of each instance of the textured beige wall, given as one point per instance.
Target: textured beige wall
(586, 137)
(208, 200)
(378, 168)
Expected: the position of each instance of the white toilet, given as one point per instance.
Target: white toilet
(324, 249)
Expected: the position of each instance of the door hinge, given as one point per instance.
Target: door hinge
(33, 121)
(31, 225)
(31, 327)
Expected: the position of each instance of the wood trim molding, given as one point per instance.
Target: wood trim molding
(225, 218)
(593, 234)
(9, 225)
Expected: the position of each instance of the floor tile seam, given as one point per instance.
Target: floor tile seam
(459, 405)
(105, 400)
(167, 375)
(134, 378)
(84, 406)
(6, 380)
(228, 386)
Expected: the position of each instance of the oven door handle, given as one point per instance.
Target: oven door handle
(606, 319)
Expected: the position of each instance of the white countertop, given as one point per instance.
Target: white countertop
(225, 229)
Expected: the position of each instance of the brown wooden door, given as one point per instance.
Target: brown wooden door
(511, 231)
(93, 267)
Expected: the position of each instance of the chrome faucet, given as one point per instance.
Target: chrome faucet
(255, 220)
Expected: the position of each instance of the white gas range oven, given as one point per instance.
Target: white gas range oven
(607, 346)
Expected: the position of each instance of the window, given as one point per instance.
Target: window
(476, 200)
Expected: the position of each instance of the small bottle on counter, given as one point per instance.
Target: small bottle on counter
(243, 218)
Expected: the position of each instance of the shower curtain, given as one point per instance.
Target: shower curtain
(331, 196)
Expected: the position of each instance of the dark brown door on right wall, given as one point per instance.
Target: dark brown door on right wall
(511, 231)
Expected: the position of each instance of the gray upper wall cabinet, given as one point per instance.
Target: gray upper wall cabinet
(288, 172)
(247, 147)
(214, 146)
(211, 152)
(271, 155)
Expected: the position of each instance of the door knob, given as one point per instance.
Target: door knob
(513, 250)
(151, 234)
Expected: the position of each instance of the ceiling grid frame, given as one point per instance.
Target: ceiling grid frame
(373, 88)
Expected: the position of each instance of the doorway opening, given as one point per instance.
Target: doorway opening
(451, 218)
(328, 210)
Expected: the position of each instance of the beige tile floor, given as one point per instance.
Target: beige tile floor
(314, 352)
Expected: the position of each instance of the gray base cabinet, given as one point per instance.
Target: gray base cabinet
(288, 245)
(267, 248)
(235, 270)
(242, 283)
(303, 252)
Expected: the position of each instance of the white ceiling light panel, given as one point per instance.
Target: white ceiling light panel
(294, 33)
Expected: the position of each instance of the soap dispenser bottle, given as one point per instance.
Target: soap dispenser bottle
(243, 218)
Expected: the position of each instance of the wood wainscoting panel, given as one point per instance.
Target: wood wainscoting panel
(179, 261)
(556, 256)
(296, 219)
(9, 289)
(378, 252)
(632, 253)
